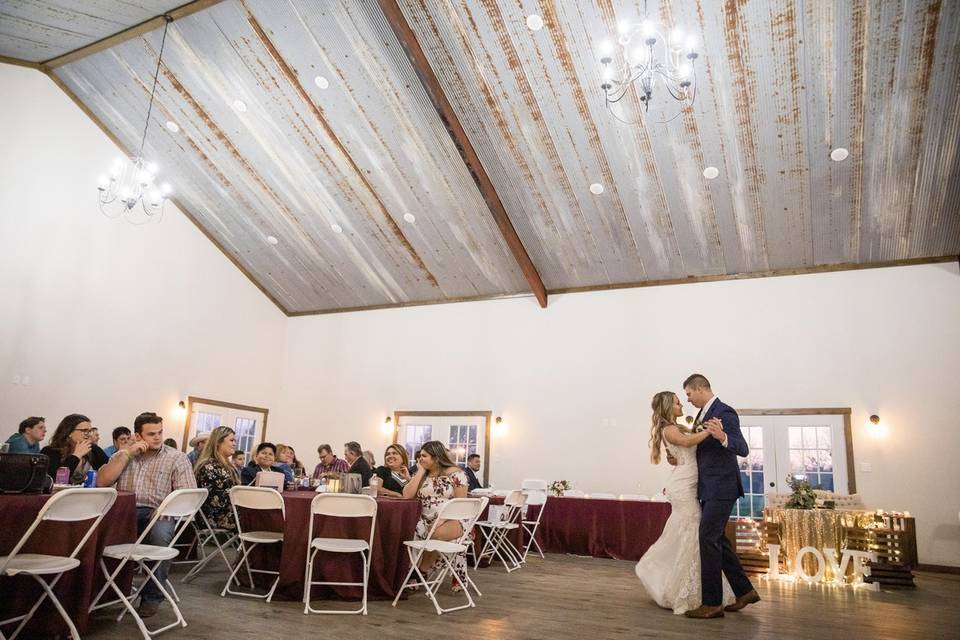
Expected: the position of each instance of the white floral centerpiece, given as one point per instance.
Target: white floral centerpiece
(557, 487)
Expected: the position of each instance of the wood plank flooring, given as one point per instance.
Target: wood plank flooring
(568, 597)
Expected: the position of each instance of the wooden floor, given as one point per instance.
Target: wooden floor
(569, 597)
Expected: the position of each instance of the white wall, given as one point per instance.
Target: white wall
(106, 318)
(574, 381)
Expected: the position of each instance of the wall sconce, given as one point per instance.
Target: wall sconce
(181, 409)
(387, 426)
(874, 419)
(499, 426)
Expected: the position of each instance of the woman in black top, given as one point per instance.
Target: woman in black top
(394, 472)
(70, 447)
(217, 475)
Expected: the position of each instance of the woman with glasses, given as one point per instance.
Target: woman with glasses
(71, 447)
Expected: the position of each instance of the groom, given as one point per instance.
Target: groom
(718, 489)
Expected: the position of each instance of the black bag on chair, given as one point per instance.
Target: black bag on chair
(24, 473)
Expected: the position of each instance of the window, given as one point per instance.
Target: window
(414, 437)
(205, 415)
(751, 475)
(811, 454)
(207, 422)
(462, 443)
(246, 429)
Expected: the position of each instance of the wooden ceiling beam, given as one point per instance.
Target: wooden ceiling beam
(408, 40)
(20, 63)
(120, 37)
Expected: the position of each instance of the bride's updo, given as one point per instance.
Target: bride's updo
(662, 405)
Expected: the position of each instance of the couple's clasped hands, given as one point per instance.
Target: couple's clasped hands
(715, 428)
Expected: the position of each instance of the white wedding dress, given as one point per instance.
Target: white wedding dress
(670, 569)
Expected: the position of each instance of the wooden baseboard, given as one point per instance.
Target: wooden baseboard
(938, 568)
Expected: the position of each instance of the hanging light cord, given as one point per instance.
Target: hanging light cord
(168, 19)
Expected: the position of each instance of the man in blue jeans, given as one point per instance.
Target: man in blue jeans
(152, 471)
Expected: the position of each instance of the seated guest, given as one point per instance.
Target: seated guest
(437, 480)
(238, 459)
(473, 468)
(170, 442)
(151, 471)
(394, 472)
(265, 460)
(287, 457)
(218, 475)
(329, 463)
(94, 436)
(27, 439)
(416, 457)
(370, 458)
(196, 444)
(121, 438)
(358, 464)
(70, 447)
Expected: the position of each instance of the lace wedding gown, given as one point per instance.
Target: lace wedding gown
(670, 569)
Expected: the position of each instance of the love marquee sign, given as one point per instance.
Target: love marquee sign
(857, 560)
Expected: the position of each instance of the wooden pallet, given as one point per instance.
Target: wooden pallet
(894, 543)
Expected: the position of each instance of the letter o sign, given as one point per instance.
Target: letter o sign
(798, 565)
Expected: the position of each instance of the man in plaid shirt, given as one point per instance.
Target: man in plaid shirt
(329, 463)
(151, 470)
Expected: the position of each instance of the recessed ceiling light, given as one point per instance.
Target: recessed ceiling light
(336, 228)
(321, 82)
(534, 22)
(710, 173)
(240, 105)
(172, 126)
(272, 239)
(409, 217)
(839, 154)
(596, 188)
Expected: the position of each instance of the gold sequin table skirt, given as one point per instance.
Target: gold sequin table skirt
(817, 528)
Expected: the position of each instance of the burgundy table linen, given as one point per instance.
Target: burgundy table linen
(601, 528)
(396, 523)
(77, 587)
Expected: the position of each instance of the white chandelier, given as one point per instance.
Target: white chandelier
(133, 181)
(647, 55)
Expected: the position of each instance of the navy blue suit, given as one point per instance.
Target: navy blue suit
(718, 489)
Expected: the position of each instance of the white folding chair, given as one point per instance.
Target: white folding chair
(69, 505)
(496, 532)
(340, 506)
(604, 496)
(633, 496)
(535, 498)
(464, 510)
(260, 499)
(180, 506)
(533, 484)
(204, 532)
(272, 479)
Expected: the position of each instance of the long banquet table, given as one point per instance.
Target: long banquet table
(396, 522)
(602, 528)
(77, 587)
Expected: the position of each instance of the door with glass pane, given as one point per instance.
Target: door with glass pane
(812, 445)
(205, 415)
(464, 433)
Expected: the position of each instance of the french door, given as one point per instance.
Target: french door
(812, 443)
(464, 433)
(249, 423)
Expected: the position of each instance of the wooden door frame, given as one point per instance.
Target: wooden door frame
(437, 414)
(225, 405)
(820, 411)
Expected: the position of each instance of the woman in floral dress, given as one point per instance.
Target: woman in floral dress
(437, 480)
(217, 475)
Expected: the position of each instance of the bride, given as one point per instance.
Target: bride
(670, 569)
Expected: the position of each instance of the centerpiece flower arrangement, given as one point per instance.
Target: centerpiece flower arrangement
(803, 496)
(557, 487)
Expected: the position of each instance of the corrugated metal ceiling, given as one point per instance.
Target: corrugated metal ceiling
(781, 83)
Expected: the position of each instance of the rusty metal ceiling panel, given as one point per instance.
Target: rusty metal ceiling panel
(781, 83)
(34, 30)
(334, 130)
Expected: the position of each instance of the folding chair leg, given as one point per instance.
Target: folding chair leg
(56, 603)
(241, 560)
(47, 592)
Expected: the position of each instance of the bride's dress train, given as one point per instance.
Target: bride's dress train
(670, 569)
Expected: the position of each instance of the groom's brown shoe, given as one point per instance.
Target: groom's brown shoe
(703, 612)
(748, 598)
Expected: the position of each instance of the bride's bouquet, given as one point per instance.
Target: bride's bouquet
(557, 487)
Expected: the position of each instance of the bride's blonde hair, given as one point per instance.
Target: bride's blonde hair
(662, 405)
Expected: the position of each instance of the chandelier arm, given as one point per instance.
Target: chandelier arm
(153, 90)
